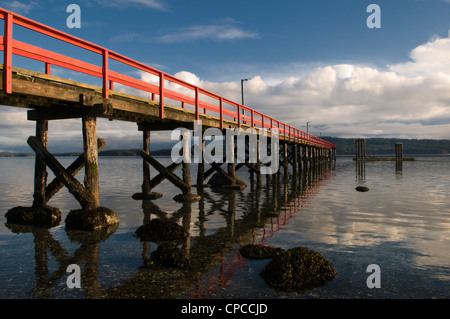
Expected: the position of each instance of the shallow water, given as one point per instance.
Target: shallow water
(401, 224)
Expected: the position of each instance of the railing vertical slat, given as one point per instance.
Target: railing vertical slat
(221, 112)
(48, 68)
(239, 115)
(197, 103)
(161, 95)
(7, 54)
(105, 74)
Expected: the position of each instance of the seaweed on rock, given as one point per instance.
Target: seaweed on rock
(252, 251)
(297, 270)
(160, 230)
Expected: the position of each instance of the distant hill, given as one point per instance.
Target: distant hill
(131, 152)
(375, 146)
(379, 146)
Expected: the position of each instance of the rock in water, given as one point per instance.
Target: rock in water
(251, 251)
(93, 219)
(169, 255)
(297, 270)
(43, 216)
(362, 189)
(159, 230)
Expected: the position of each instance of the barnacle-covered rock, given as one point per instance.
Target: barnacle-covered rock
(43, 216)
(169, 255)
(362, 189)
(297, 270)
(94, 219)
(252, 251)
(159, 230)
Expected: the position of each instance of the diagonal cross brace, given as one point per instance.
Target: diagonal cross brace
(53, 187)
(174, 179)
(84, 197)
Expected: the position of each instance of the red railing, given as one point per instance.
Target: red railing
(240, 114)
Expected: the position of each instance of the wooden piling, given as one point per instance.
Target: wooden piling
(146, 186)
(146, 189)
(91, 178)
(399, 150)
(40, 169)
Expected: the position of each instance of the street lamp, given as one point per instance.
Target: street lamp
(307, 127)
(242, 93)
(242, 88)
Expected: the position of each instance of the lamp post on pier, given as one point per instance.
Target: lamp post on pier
(242, 91)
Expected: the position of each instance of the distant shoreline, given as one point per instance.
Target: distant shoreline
(345, 146)
(131, 153)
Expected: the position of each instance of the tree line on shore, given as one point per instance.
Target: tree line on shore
(345, 146)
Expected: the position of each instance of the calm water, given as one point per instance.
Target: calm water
(402, 224)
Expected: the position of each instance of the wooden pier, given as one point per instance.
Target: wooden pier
(51, 98)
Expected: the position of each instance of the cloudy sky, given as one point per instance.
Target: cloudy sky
(311, 61)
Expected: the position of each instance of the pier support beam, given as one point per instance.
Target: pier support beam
(91, 177)
(201, 168)
(146, 186)
(39, 213)
(40, 169)
(91, 216)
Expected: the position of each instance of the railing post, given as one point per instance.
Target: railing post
(239, 115)
(48, 68)
(161, 95)
(251, 122)
(221, 112)
(197, 104)
(7, 53)
(105, 74)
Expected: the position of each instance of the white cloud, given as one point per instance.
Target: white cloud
(155, 4)
(405, 100)
(428, 58)
(18, 7)
(216, 32)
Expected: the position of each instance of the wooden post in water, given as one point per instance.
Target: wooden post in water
(399, 150)
(146, 189)
(295, 157)
(186, 188)
(360, 148)
(258, 161)
(40, 169)
(231, 157)
(146, 186)
(201, 167)
(306, 156)
(286, 162)
(91, 178)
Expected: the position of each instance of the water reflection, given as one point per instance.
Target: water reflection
(212, 250)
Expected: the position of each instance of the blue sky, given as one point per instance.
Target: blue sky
(312, 60)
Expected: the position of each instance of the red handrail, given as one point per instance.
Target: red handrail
(11, 46)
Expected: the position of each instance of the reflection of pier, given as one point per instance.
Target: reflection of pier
(212, 253)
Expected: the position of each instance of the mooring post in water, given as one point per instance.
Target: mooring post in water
(360, 147)
(40, 168)
(91, 178)
(399, 150)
